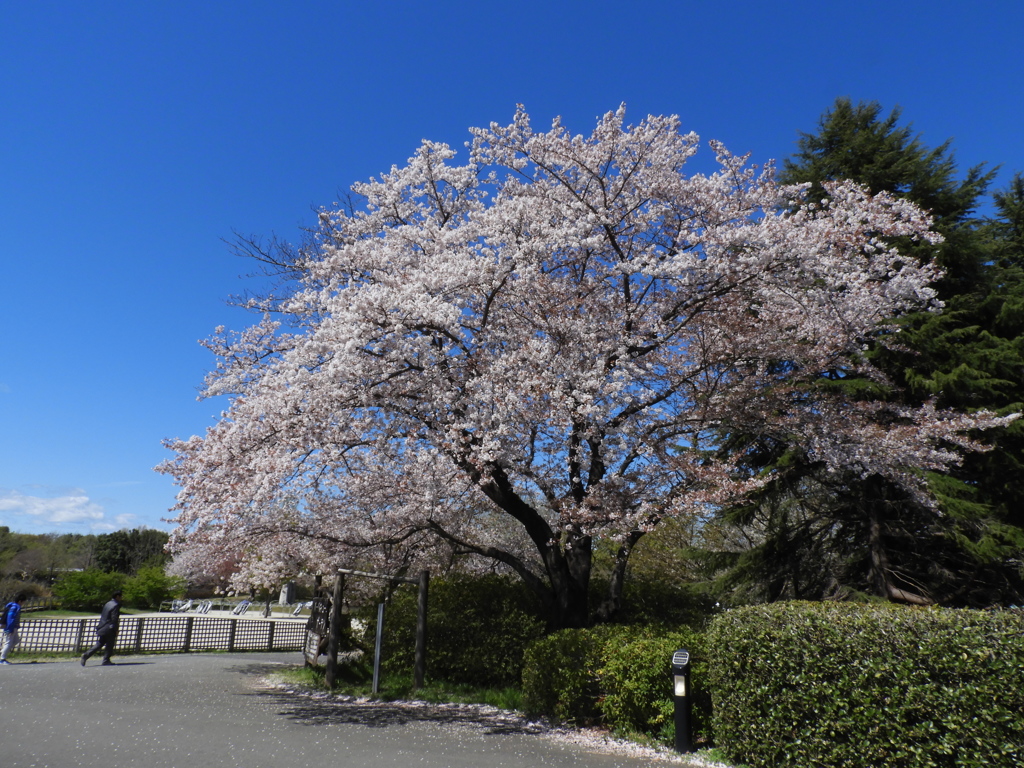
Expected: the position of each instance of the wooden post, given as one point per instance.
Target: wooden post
(334, 636)
(231, 634)
(188, 634)
(139, 622)
(378, 648)
(81, 635)
(420, 659)
(270, 636)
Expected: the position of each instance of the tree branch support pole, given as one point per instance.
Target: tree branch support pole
(420, 660)
(377, 649)
(420, 663)
(334, 636)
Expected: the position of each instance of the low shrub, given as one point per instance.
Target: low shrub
(87, 590)
(152, 586)
(637, 685)
(617, 676)
(848, 685)
(29, 590)
(560, 675)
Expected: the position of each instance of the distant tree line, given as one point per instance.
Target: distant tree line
(83, 568)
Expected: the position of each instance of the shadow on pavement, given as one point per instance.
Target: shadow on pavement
(308, 709)
(260, 668)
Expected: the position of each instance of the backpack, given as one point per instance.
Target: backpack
(9, 610)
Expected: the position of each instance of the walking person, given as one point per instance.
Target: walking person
(9, 621)
(106, 630)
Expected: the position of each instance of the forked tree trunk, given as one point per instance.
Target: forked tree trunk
(609, 608)
(569, 580)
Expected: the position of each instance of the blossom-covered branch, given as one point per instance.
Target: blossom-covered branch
(549, 344)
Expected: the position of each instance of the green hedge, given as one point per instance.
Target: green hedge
(560, 674)
(636, 680)
(847, 686)
(478, 629)
(87, 590)
(617, 676)
(151, 586)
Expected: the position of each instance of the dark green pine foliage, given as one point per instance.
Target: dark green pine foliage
(816, 536)
(969, 357)
(855, 142)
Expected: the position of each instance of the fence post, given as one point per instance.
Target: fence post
(138, 633)
(270, 637)
(81, 632)
(188, 634)
(231, 635)
(377, 648)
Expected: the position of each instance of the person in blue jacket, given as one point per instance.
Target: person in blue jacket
(11, 620)
(106, 630)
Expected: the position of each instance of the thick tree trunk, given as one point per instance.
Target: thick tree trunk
(612, 603)
(567, 562)
(878, 571)
(569, 577)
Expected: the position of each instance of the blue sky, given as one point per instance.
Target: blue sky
(135, 138)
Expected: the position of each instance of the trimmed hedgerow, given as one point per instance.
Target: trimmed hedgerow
(846, 685)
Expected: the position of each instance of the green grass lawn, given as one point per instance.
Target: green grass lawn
(399, 688)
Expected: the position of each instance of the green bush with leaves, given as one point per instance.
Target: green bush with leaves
(150, 586)
(847, 685)
(478, 629)
(618, 676)
(560, 675)
(87, 590)
(637, 686)
(27, 589)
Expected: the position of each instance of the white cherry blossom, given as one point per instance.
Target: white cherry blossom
(511, 357)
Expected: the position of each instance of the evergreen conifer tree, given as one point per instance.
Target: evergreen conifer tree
(818, 536)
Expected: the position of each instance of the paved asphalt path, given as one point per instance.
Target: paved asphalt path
(212, 710)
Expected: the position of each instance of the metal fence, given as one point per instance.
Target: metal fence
(141, 634)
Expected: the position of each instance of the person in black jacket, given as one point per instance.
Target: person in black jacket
(106, 630)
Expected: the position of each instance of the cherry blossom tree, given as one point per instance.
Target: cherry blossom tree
(547, 345)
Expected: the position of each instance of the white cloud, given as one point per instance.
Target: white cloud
(73, 508)
(124, 521)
